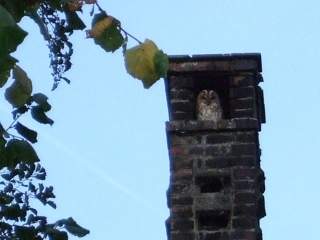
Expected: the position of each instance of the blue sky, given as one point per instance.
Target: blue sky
(106, 153)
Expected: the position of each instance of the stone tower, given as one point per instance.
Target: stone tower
(216, 183)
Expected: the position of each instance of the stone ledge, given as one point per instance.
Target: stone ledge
(225, 124)
(216, 63)
(213, 201)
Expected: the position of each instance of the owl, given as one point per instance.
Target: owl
(208, 106)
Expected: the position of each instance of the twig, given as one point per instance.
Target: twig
(128, 34)
(136, 39)
(100, 8)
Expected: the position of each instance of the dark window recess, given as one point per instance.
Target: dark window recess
(210, 184)
(213, 220)
(218, 83)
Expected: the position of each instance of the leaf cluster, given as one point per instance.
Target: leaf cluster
(22, 174)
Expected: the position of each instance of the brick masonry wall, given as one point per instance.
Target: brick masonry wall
(215, 176)
(243, 97)
(216, 183)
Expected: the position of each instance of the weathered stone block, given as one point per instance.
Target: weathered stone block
(249, 210)
(181, 188)
(261, 107)
(178, 151)
(214, 236)
(181, 115)
(183, 236)
(244, 80)
(182, 106)
(182, 94)
(245, 198)
(218, 138)
(182, 175)
(244, 173)
(218, 162)
(185, 140)
(196, 150)
(182, 224)
(218, 150)
(245, 161)
(182, 211)
(244, 149)
(244, 223)
(261, 207)
(178, 163)
(242, 113)
(242, 103)
(241, 92)
(245, 235)
(181, 200)
(247, 136)
(180, 82)
(245, 185)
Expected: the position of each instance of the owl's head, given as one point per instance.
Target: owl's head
(208, 97)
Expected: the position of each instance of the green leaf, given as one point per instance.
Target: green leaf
(55, 234)
(25, 233)
(31, 187)
(13, 212)
(18, 111)
(8, 188)
(42, 101)
(6, 64)
(161, 63)
(56, 4)
(5, 227)
(3, 155)
(74, 21)
(75, 229)
(20, 91)
(2, 131)
(16, 8)
(11, 35)
(41, 176)
(52, 204)
(3, 158)
(22, 79)
(7, 176)
(26, 132)
(109, 37)
(66, 80)
(5, 198)
(21, 151)
(110, 40)
(39, 115)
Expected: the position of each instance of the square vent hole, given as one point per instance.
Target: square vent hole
(212, 184)
(213, 219)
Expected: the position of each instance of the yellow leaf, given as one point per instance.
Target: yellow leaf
(100, 26)
(139, 62)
